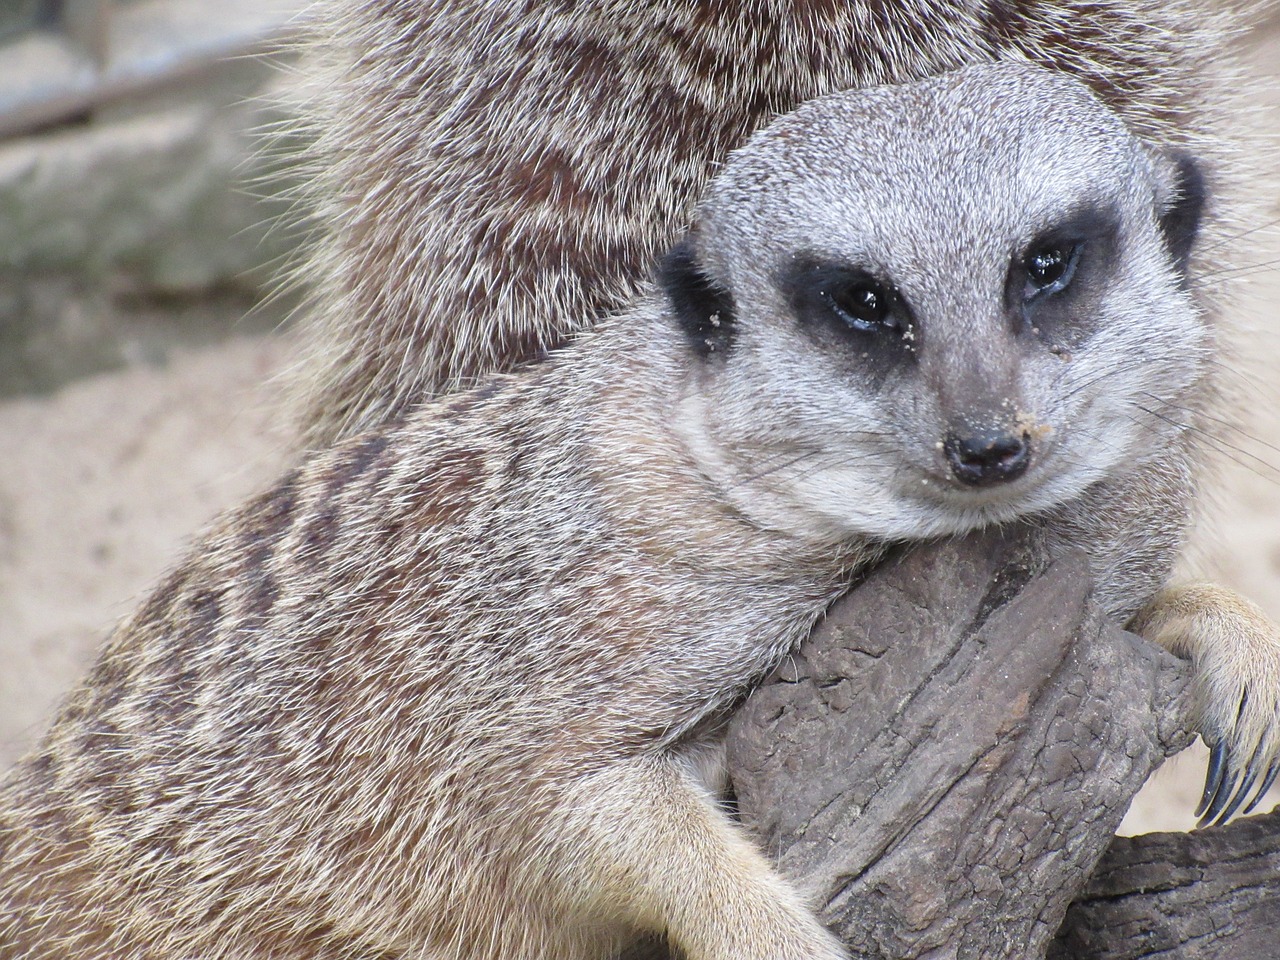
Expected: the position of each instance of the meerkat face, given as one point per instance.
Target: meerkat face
(915, 310)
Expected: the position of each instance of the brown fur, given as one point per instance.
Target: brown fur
(493, 176)
(452, 688)
(305, 744)
(328, 730)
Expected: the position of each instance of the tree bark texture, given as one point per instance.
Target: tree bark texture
(944, 762)
(1209, 895)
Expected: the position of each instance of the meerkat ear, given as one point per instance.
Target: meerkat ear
(703, 309)
(1180, 218)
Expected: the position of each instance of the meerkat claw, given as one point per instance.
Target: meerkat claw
(1216, 813)
(1213, 778)
(1242, 748)
(1235, 651)
(1218, 803)
(1246, 787)
(1266, 785)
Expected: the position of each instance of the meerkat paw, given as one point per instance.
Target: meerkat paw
(1235, 651)
(789, 939)
(654, 848)
(775, 926)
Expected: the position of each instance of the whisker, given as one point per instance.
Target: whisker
(1240, 271)
(1222, 446)
(1086, 384)
(1233, 427)
(783, 463)
(1222, 242)
(1093, 439)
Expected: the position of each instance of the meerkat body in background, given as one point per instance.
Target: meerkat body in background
(493, 177)
(451, 688)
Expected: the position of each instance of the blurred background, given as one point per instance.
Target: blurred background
(141, 228)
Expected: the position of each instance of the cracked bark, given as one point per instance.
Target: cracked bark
(1211, 895)
(944, 762)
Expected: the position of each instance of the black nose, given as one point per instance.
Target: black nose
(983, 458)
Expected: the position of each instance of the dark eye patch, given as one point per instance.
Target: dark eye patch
(1052, 281)
(704, 309)
(848, 300)
(1051, 258)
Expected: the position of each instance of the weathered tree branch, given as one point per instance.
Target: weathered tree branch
(945, 760)
(1210, 895)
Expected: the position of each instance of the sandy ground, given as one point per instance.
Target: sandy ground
(1237, 542)
(101, 486)
(102, 483)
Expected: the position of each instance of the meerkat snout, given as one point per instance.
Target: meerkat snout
(984, 457)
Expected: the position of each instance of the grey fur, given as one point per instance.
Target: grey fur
(495, 176)
(451, 689)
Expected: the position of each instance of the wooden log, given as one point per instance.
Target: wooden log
(945, 760)
(1209, 895)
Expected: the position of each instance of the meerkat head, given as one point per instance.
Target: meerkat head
(918, 309)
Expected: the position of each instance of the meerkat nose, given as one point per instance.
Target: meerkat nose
(985, 457)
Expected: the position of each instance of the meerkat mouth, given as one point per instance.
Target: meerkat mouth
(1040, 489)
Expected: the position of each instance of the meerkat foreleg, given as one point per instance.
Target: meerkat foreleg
(1235, 649)
(661, 856)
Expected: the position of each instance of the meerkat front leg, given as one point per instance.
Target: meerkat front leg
(661, 856)
(1235, 649)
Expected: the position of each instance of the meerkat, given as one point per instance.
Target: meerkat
(492, 177)
(454, 687)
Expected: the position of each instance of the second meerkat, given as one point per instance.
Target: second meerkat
(444, 691)
(493, 177)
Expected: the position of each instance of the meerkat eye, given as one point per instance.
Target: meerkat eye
(848, 301)
(864, 305)
(1049, 268)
